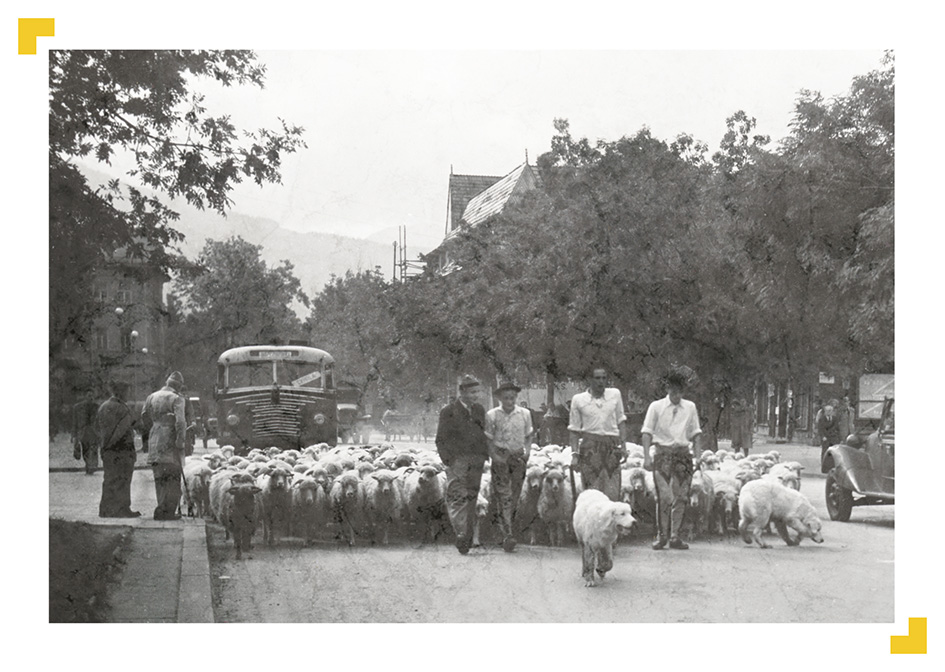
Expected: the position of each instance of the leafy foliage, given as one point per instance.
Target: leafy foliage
(143, 105)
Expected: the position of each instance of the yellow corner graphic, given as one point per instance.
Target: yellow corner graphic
(30, 29)
(914, 642)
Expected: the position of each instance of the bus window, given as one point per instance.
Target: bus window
(299, 374)
(249, 374)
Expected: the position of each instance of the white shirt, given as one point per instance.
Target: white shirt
(509, 430)
(670, 424)
(597, 415)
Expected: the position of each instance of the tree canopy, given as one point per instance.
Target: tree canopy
(144, 105)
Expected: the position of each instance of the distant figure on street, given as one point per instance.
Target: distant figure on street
(741, 425)
(509, 433)
(670, 425)
(462, 445)
(845, 417)
(84, 437)
(164, 429)
(598, 428)
(114, 422)
(828, 427)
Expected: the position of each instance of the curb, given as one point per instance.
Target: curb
(194, 601)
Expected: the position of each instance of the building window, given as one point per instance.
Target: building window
(101, 339)
(123, 296)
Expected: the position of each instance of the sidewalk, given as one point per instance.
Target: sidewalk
(166, 577)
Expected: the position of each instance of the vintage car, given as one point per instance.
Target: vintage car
(861, 470)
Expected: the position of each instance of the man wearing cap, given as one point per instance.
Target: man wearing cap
(114, 422)
(598, 427)
(509, 434)
(164, 427)
(461, 443)
(670, 426)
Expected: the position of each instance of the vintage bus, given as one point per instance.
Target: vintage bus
(275, 395)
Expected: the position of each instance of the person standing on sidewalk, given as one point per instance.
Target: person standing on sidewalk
(461, 443)
(164, 428)
(670, 425)
(114, 422)
(84, 437)
(598, 427)
(509, 432)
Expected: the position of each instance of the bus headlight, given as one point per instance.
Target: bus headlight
(319, 418)
(232, 419)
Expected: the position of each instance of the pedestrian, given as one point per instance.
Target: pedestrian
(742, 425)
(84, 436)
(671, 426)
(462, 445)
(845, 417)
(508, 432)
(164, 429)
(114, 422)
(598, 429)
(828, 427)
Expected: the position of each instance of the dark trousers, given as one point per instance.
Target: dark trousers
(119, 466)
(507, 479)
(463, 476)
(89, 451)
(600, 466)
(167, 489)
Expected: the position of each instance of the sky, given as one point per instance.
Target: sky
(384, 128)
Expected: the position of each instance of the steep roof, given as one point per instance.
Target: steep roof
(462, 189)
(491, 201)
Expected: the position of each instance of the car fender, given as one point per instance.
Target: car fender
(852, 468)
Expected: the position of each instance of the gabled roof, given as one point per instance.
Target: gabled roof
(461, 190)
(491, 201)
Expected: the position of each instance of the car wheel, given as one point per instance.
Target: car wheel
(839, 499)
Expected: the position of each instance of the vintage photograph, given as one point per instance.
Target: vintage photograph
(471, 336)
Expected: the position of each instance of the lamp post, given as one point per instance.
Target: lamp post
(134, 364)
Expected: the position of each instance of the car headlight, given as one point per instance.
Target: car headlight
(319, 418)
(232, 419)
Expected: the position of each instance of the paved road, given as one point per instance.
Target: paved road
(847, 579)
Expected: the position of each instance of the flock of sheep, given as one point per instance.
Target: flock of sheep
(373, 493)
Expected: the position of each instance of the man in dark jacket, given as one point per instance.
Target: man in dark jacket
(828, 427)
(163, 423)
(84, 437)
(461, 443)
(114, 422)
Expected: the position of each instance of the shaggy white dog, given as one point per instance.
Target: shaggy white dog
(597, 521)
(763, 500)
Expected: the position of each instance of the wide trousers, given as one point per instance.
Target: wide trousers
(463, 476)
(600, 466)
(166, 488)
(119, 467)
(507, 479)
(672, 475)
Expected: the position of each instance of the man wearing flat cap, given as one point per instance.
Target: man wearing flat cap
(461, 443)
(509, 433)
(164, 427)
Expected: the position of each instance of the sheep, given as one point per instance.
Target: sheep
(724, 509)
(347, 503)
(483, 505)
(219, 483)
(526, 513)
(638, 489)
(195, 497)
(240, 511)
(276, 500)
(701, 498)
(384, 503)
(425, 495)
(555, 506)
(304, 514)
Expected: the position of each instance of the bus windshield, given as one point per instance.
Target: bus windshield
(287, 373)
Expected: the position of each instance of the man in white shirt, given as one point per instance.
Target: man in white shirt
(509, 434)
(598, 434)
(670, 425)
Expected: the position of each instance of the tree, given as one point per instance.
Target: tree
(144, 105)
(230, 297)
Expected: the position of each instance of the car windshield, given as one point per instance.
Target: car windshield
(249, 374)
(299, 374)
(891, 418)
